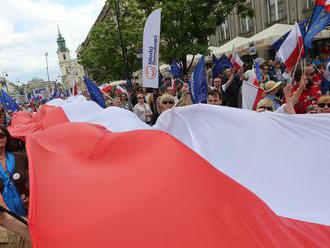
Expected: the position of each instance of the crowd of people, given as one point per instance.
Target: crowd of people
(307, 91)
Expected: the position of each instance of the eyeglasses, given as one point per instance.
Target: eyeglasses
(168, 102)
(141, 97)
(267, 108)
(322, 105)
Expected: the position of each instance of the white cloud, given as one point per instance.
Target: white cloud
(28, 29)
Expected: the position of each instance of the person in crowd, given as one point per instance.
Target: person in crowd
(305, 92)
(185, 98)
(286, 76)
(217, 83)
(271, 88)
(271, 70)
(142, 109)
(14, 187)
(231, 88)
(325, 80)
(125, 102)
(214, 98)
(3, 119)
(171, 91)
(26, 107)
(166, 102)
(323, 105)
(311, 109)
(116, 102)
(266, 104)
(278, 72)
(265, 75)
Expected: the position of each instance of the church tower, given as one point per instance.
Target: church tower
(64, 58)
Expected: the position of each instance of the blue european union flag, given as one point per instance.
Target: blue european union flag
(224, 62)
(198, 84)
(258, 72)
(175, 69)
(302, 25)
(216, 69)
(320, 19)
(95, 93)
(7, 102)
(219, 65)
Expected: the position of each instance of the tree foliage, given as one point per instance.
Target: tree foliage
(187, 24)
(113, 43)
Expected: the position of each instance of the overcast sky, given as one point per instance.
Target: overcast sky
(28, 29)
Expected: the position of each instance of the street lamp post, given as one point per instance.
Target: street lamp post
(46, 55)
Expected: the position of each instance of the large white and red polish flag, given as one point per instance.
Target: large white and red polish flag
(203, 176)
(292, 48)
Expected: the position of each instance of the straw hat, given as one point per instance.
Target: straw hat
(271, 85)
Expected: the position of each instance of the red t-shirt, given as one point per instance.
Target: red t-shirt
(307, 98)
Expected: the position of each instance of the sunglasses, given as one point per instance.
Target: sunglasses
(140, 97)
(322, 105)
(168, 102)
(267, 108)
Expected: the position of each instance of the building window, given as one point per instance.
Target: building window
(64, 57)
(309, 4)
(276, 10)
(246, 24)
(224, 31)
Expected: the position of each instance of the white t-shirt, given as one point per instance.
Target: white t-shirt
(142, 111)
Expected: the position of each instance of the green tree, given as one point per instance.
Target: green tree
(187, 24)
(113, 43)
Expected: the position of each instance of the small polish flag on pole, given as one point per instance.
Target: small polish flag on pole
(292, 48)
(236, 61)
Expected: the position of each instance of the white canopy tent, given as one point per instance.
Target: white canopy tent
(266, 37)
(228, 47)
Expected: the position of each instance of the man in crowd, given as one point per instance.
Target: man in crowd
(306, 92)
(323, 105)
(214, 98)
(231, 88)
(217, 82)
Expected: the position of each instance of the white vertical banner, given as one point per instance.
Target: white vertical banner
(151, 37)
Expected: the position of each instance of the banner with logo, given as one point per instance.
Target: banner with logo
(151, 37)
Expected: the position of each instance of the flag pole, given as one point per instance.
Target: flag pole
(301, 48)
(295, 67)
(12, 214)
(107, 95)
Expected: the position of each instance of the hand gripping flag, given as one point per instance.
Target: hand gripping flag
(95, 93)
(319, 20)
(198, 84)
